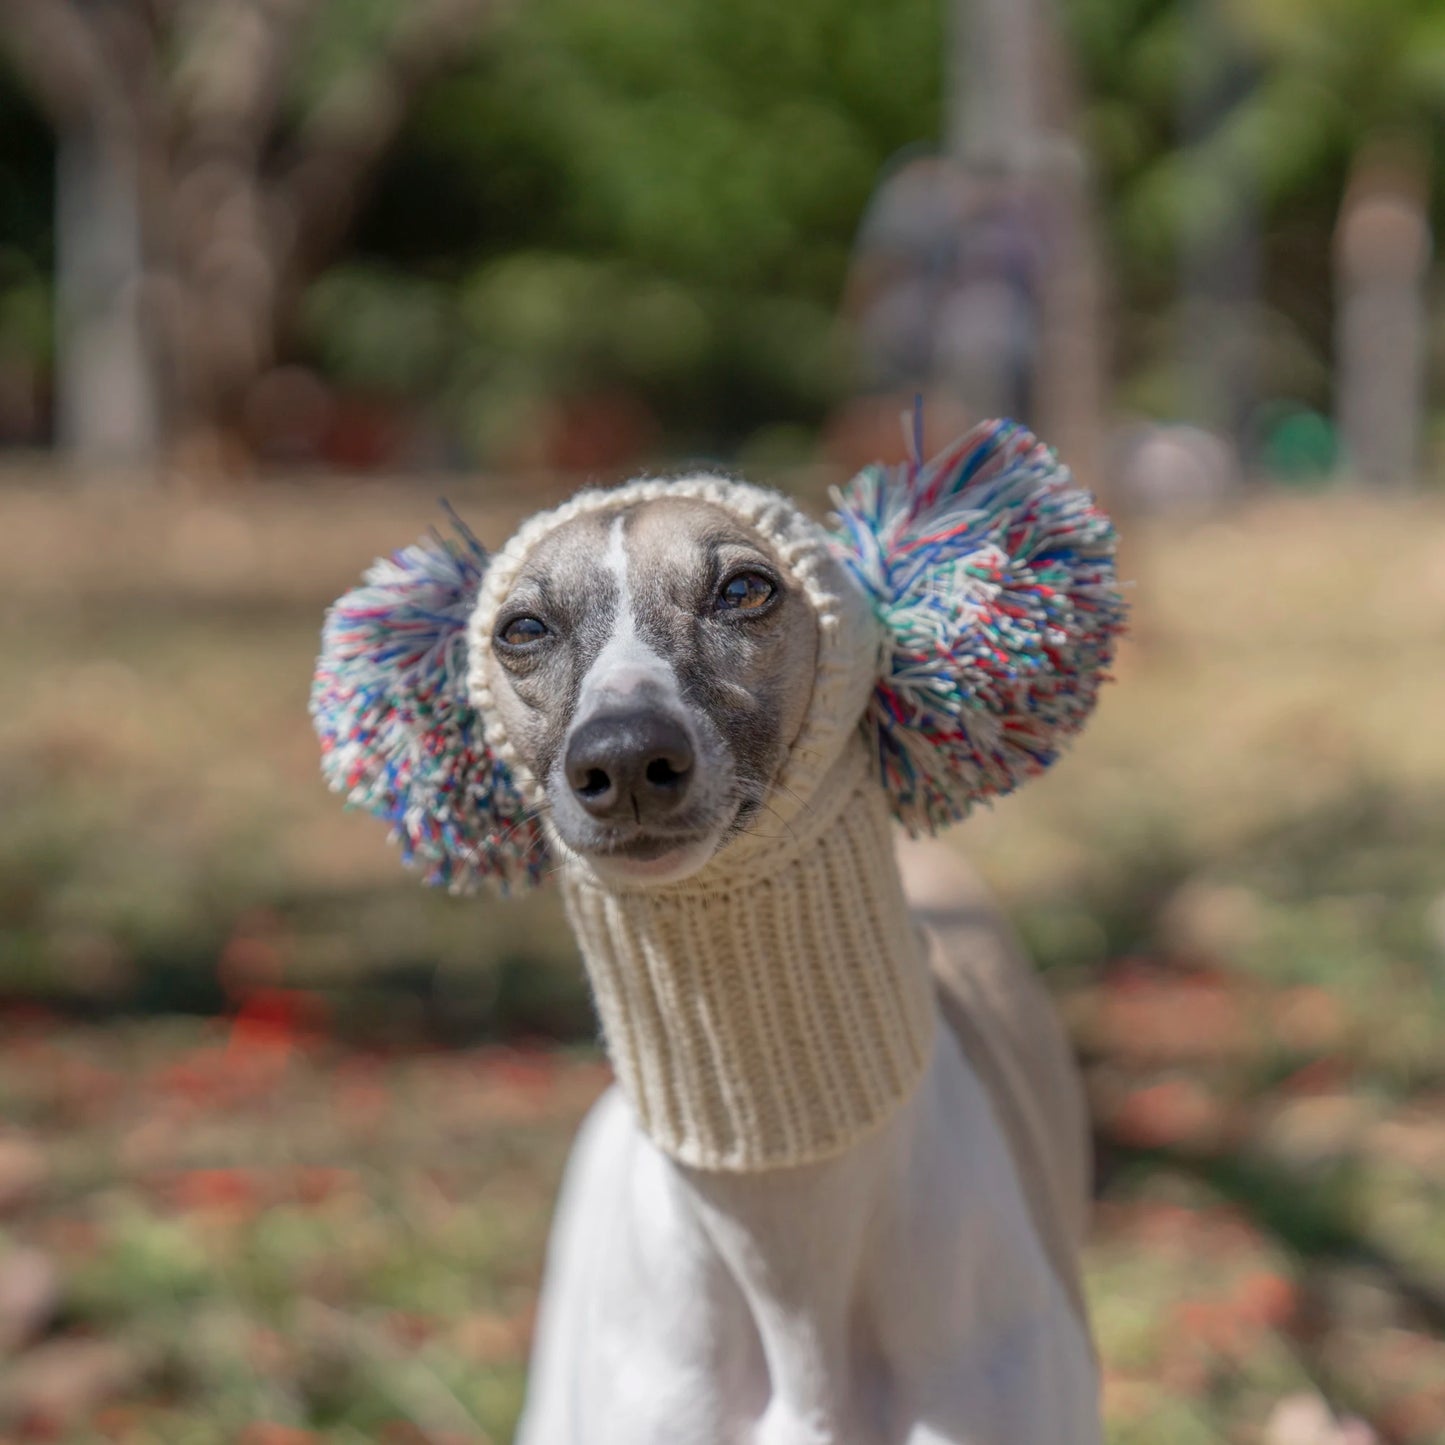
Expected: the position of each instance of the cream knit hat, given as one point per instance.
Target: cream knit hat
(987, 574)
(850, 637)
(773, 1007)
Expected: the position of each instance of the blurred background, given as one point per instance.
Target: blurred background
(279, 1128)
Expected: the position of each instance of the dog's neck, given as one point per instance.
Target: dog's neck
(775, 1008)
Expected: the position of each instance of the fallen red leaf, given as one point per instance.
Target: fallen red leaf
(267, 1433)
(1172, 1112)
(1266, 1299)
(227, 1191)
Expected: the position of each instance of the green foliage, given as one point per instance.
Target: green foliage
(378, 331)
(26, 178)
(660, 199)
(663, 199)
(1198, 115)
(26, 309)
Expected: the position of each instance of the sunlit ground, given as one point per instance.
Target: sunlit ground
(319, 1212)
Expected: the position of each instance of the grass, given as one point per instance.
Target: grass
(281, 1128)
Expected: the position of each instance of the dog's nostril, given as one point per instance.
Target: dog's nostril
(662, 774)
(632, 765)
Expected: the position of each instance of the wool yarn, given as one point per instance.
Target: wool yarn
(993, 574)
(968, 611)
(774, 1007)
(399, 735)
(771, 1010)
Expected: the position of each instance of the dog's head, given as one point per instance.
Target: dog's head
(657, 670)
(651, 664)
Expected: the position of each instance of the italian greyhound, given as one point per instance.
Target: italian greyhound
(830, 1200)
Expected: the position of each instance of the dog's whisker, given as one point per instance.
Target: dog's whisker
(804, 806)
(530, 815)
(757, 794)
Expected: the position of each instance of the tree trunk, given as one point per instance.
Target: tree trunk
(1218, 336)
(191, 207)
(1382, 257)
(108, 394)
(1012, 112)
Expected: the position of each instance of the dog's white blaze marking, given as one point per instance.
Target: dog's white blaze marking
(626, 663)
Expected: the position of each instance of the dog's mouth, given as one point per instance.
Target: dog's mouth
(639, 854)
(671, 865)
(646, 857)
(644, 848)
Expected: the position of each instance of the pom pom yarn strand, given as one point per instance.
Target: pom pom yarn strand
(398, 734)
(994, 576)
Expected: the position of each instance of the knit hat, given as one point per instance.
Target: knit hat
(774, 1007)
(967, 613)
(741, 1039)
(850, 635)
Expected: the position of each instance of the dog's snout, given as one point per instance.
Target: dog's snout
(635, 765)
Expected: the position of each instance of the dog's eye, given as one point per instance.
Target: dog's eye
(519, 631)
(744, 592)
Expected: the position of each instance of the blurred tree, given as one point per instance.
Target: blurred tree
(1382, 258)
(636, 220)
(1297, 89)
(211, 157)
(664, 197)
(650, 205)
(975, 276)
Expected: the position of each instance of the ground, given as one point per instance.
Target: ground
(281, 1129)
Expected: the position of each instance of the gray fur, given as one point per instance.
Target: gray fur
(739, 684)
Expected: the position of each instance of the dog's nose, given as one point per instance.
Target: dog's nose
(630, 765)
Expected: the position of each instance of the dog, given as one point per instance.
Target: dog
(838, 1192)
(920, 1286)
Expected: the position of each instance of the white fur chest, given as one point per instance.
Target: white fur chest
(895, 1295)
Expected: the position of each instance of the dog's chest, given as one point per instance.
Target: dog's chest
(811, 1305)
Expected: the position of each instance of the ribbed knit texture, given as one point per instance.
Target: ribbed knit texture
(773, 1008)
(770, 1014)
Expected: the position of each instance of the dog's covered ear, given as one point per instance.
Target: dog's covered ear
(399, 735)
(993, 574)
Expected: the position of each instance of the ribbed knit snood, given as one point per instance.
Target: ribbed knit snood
(772, 1010)
(774, 1007)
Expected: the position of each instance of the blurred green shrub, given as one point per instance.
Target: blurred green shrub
(658, 201)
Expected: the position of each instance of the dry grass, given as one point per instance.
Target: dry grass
(1235, 882)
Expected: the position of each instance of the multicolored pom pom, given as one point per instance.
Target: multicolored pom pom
(993, 574)
(398, 734)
